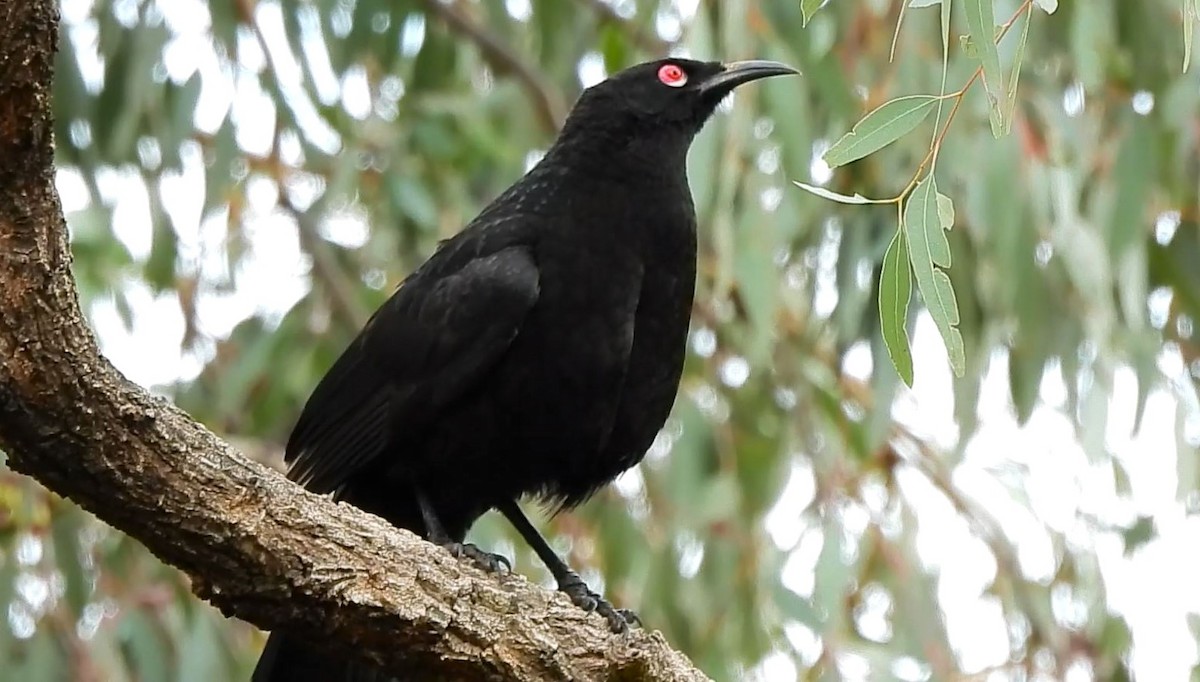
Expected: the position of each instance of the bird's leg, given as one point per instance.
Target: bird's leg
(436, 533)
(568, 581)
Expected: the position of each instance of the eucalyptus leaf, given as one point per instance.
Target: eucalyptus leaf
(895, 289)
(808, 8)
(981, 23)
(928, 250)
(881, 127)
(834, 196)
(1191, 14)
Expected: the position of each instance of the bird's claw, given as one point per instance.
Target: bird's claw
(492, 563)
(619, 620)
(582, 596)
(629, 617)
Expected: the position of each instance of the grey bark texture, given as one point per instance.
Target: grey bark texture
(255, 545)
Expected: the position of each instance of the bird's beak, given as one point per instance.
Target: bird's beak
(737, 73)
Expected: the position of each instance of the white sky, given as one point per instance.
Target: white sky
(1155, 588)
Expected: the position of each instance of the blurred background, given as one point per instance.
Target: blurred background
(246, 180)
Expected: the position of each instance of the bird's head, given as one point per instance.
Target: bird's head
(668, 95)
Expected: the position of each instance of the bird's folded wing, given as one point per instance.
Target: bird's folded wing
(427, 346)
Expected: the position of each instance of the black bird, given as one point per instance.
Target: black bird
(536, 353)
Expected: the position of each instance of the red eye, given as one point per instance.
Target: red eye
(672, 75)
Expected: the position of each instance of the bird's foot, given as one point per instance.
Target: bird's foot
(582, 596)
(492, 563)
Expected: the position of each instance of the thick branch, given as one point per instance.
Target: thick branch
(257, 546)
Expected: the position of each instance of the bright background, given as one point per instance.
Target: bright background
(245, 181)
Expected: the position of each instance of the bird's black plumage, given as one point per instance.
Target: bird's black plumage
(538, 351)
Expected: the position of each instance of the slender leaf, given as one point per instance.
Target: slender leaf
(808, 8)
(895, 289)
(834, 196)
(1191, 12)
(981, 23)
(883, 126)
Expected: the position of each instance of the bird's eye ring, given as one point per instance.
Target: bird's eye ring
(672, 75)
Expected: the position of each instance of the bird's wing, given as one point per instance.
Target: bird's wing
(428, 345)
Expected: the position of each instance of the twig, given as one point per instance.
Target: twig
(646, 41)
(346, 305)
(503, 60)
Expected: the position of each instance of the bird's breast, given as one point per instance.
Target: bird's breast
(595, 370)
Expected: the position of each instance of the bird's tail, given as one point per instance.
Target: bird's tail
(287, 659)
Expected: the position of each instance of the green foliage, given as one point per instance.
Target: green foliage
(802, 506)
(898, 117)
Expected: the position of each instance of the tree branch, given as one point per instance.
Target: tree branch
(255, 545)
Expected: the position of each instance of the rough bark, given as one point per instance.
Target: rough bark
(255, 545)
